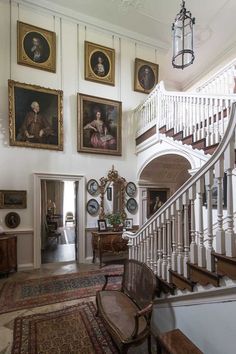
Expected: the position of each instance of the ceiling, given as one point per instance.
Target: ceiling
(214, 32)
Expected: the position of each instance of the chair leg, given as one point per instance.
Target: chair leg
(149, 340)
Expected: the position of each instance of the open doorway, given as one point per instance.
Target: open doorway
(58, 221)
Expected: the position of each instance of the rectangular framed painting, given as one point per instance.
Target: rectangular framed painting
(35, 116)
(215, 193)
(99, 63)
(145, 75)
(128, 224)
(36, 47)
(156, 197)
(10, 199)
(102, 225)
(99, 125)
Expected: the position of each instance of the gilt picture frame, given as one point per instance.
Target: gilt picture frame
(36, 47)
(35, 116)
(145, 75)
(99, 125)
(99, 63)
(13, 199)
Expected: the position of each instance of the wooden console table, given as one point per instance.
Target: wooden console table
(8, 253)
(109, 241)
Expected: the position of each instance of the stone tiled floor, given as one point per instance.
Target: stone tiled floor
(7, 319)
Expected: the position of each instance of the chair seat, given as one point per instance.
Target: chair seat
(118, 311)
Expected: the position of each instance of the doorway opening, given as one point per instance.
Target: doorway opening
(58, 221)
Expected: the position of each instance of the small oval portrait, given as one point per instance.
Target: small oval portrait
(12, 220)
(100, 64)
(36, 47)
(146, 77)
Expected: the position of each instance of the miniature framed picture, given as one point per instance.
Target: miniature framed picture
(99, 63)
(102, 225)
(155, 199)
(36, 47)
(99, 125)
(12, 199)
(145, 76)
(93, 187)
(35, 116)
(12, 220)
(128, 224)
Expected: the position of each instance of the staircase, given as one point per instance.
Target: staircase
(174, 242)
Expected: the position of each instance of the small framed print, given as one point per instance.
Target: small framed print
(102, 225)
(145, 76)
(99, 63)
(92, 207)
(93, 187)
(36, 47)
(131, 189)
(12, 199)
(128, 224)
(12, 220)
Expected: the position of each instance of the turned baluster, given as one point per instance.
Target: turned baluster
(164, 245)
(155, 252)
(230, 237)
(193, 245)
(209, 184)
(179, 208)
(201, 247)
(220, 233)
(168, 231)
(186, 235)
(174, 238)
(152, 246)
(159, 248)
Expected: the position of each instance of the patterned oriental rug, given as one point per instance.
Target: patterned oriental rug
(71, 330)
(18, 295)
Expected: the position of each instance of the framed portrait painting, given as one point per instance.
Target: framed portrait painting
(99, 125)
(35, 116)
(145, 75)
(155, 199)
(11, 199)
(99, 63)
(36, 47)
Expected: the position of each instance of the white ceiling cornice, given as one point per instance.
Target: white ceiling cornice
(77, 17)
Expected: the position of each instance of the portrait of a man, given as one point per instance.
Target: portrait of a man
(36, 47)
(146, 76)
(155, 199)
(35, 120)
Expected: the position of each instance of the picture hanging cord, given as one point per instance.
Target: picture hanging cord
(54, 23)
(135, 50)
(61, 58)
(78, 61)
(85, 33)
(120, 66)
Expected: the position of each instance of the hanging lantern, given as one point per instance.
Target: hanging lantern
(182, 30)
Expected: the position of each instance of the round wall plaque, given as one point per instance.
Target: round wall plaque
(12, 220)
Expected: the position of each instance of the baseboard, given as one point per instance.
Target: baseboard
(26, 266)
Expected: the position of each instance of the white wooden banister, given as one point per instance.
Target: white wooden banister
(163, 242)
(204, 116)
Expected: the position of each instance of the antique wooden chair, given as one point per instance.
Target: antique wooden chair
(69, 217)
(126, 313)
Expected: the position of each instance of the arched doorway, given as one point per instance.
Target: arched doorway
(159, 179)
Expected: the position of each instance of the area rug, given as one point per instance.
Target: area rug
(17, 295)
(71, 330)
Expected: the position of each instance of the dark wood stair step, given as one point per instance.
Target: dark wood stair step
(169, 132)
(178, 136)
(164, 286)
(180, 281)
(175, 342)
(202, 275)
(188, 139)
(199, 144)
(210, 149)
(225, 265)
(162, 129)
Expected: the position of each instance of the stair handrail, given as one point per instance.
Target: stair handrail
(193, 179)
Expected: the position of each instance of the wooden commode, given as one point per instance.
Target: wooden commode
(8, 253)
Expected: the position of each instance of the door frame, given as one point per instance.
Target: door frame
(38, 177)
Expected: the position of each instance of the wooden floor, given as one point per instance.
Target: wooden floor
(63, 250)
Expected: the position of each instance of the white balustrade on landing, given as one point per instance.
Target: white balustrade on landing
(163, 241)
(204, 116)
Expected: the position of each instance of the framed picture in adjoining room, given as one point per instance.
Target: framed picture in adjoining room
(99, 63)
(145, 75)
(36, 47)
(156, 197)
(214, 193)
(99, 125)
(11, 199)
(35, 116)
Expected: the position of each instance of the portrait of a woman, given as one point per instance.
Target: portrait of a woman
(100, 136)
